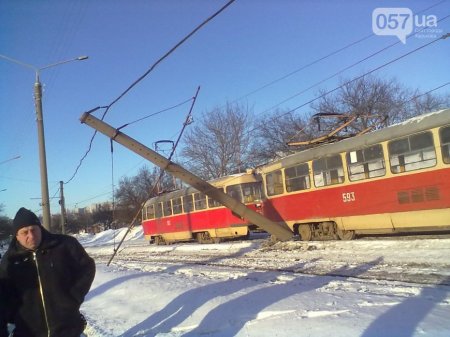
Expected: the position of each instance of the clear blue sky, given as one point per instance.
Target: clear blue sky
(249, 45)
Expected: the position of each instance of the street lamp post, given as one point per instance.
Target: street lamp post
(40, 127)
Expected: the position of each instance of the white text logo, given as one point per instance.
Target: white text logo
(401, 22)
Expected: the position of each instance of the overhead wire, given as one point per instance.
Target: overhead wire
(69, 23)
(406, 101)
(429, 91)
(132, 223)
(91, 198)
(157, 113)
(337, 51)
(412, 98)
(344, 69)
(182, 41)
(304, 67)
(129, 123)
(356, 78)
(372, 71)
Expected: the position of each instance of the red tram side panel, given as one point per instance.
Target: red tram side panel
(392, 180)
(186, 214)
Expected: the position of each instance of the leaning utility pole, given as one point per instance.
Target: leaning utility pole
(279, 231)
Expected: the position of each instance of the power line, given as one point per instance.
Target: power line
(357, 78)
(165, 56)
(144, 75)
(405, 101)
(426, 93)
(373, 70)
(304, 67)
(328, 56)
(112, 169)
(345, 69)
(138, 120)
(157, 113)
(132, 223)
(91, 198)
(10, 159)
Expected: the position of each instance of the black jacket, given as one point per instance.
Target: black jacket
(3, 310)
(47, 287)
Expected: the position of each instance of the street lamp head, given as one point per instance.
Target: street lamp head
(81, 58)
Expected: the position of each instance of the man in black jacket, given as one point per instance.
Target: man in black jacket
(46, 276)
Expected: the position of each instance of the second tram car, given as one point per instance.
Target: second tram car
(395, 179)
(187, 214)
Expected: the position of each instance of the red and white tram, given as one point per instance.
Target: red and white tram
(395, 179)
(187, 214)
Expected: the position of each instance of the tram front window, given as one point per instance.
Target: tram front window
(252, 192)
(246, 192)
(235, 192)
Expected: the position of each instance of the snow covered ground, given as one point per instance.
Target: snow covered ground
(368, 287)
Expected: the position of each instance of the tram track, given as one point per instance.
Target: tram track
(333, 259)
(375, 276)
(400, 276)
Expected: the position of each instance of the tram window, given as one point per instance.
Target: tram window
(212, 203)
(188, 204)
(251, 191)
(411, 153)
(150, 209)
(167, 208)
(297, 178)
(328, 171)
(158, 210)
(274, 182)
(176, 206)
(199, 201)
(444, 135)
(366, 163)
(234, 191)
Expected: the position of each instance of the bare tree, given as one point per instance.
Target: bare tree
(103, 215)
(5, 225)
(273, 132)
(373, 101)
(133, 191)
(358, 106)
(220, 143)
(79, 221)
(423, 103)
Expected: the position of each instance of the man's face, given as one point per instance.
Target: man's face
(29, 237)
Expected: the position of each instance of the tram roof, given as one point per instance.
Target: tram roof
(410, 126)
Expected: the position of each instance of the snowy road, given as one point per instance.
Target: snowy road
(392, 287)
(418, 259)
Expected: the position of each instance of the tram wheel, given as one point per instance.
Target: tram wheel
(204, 237)
(346, 235)
(159, 240)
(305, 232)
